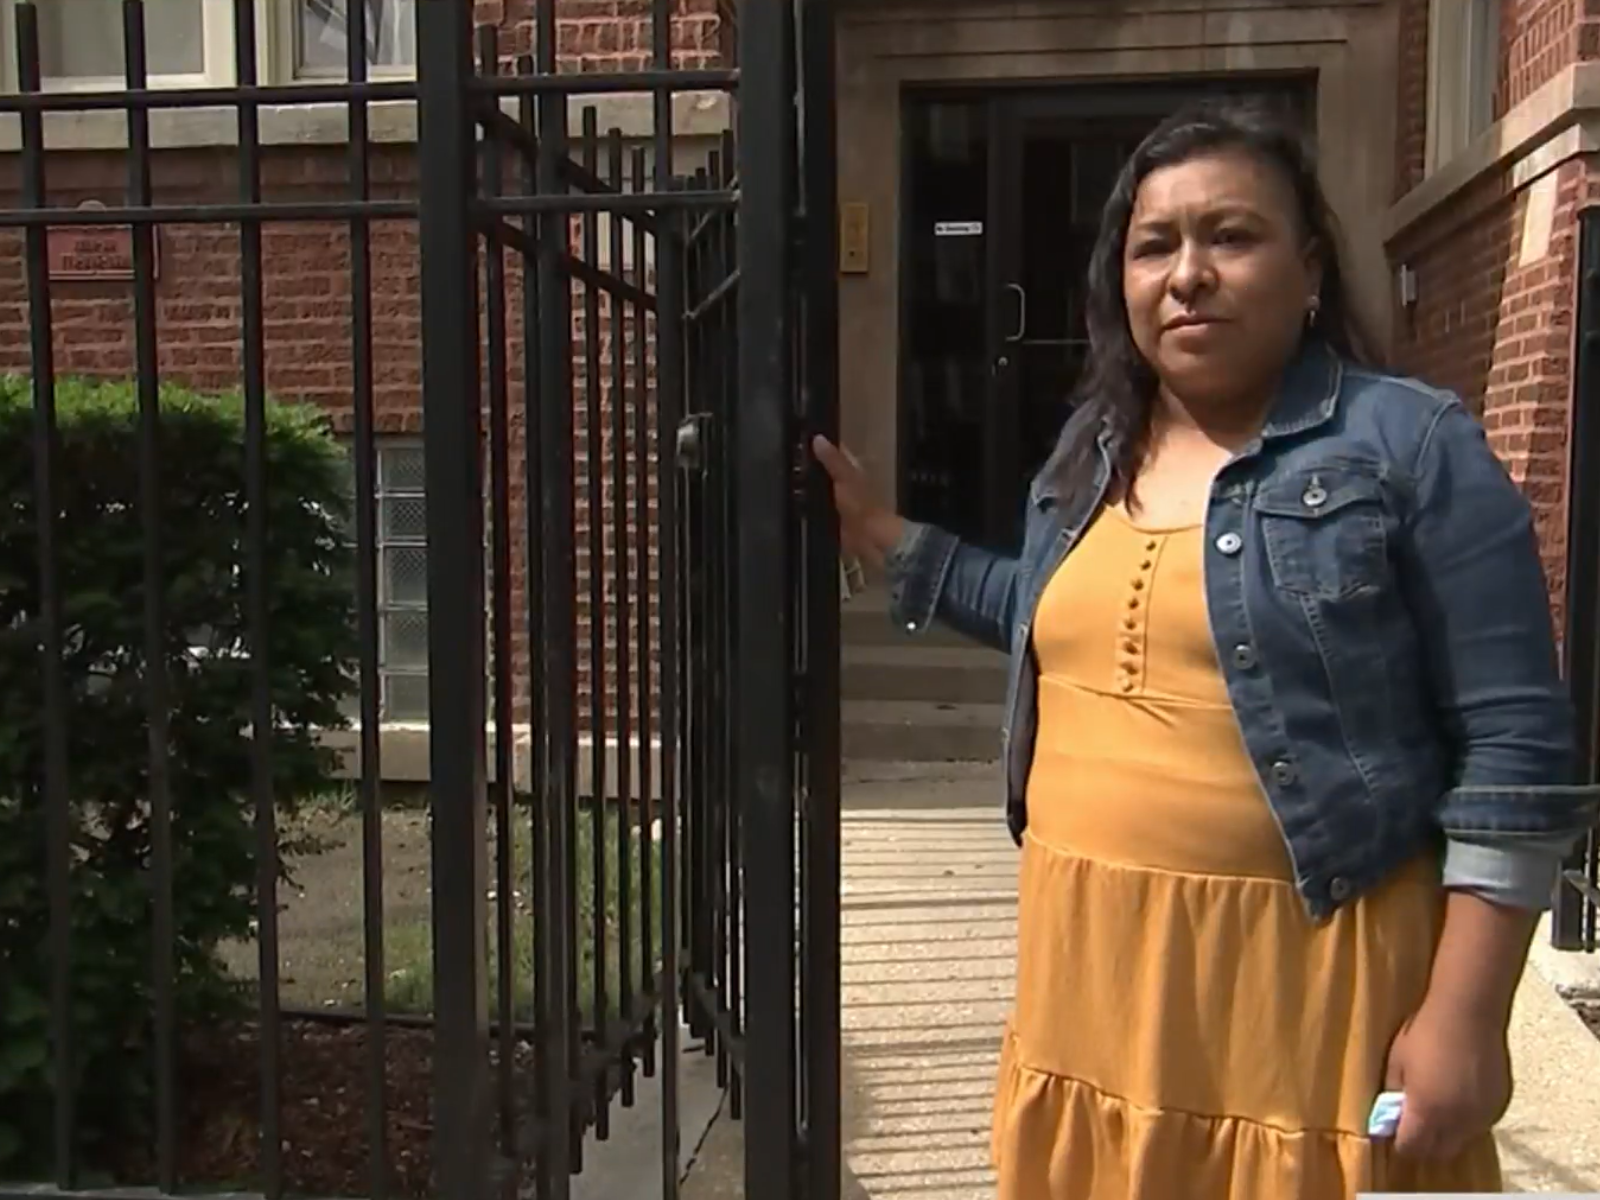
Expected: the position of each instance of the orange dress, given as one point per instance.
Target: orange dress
(1183, 1029)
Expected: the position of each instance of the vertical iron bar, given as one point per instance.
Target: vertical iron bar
(820, 396)
(58, 819)
(764, 783)
(594, 515)
(366, 515)
(557, 502)
(148, 383)
(669, 379)
(552, 1135)
(1570, 930)
(707, 565)
(623, 616)
(452, 419)
(724, 358)
(640, 407)
(251, 285)
(504, 730)
(699, 550)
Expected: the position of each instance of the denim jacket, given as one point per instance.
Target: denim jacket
(1381, 619)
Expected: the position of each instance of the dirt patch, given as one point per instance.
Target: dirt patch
(326, 1109)
(1589, 1011)
(325, 1114)
(321, 943)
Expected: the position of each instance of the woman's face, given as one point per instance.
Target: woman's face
(1218, 276)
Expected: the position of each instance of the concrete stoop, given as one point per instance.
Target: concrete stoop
(933, 698)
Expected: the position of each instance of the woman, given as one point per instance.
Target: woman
(1288, 753)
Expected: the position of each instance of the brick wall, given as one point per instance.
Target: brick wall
(307, 296)
(608, 35)
(1493, 320)
(1538, 38)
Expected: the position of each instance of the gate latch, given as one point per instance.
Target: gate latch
(691, 443)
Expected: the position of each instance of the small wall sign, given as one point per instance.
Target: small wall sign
(958, 229)
(97, 253)
(855, 238)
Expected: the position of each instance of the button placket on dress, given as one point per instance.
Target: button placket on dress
(1130, 664)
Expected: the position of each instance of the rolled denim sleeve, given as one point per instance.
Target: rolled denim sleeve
(1520, 876)
(933, 574)
(1481, 608)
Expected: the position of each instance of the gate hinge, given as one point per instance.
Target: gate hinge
(691, 443)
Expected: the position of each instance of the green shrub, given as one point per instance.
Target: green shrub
(311, 648)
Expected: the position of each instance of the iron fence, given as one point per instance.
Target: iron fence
(1576, 915)
(631, 610)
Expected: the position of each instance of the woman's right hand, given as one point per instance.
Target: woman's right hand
(867, 529)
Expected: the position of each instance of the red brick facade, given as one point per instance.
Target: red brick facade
(1493, 322)
(307, 269)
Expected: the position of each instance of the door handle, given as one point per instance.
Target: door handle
(1022, 312)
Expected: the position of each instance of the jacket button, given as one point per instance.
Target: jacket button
(1283, 772)
(1230, 544)
(1339, 889)
(1243, 656)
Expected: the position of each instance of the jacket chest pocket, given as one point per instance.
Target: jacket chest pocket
(1324, 532)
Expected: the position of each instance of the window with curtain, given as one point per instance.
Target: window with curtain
(322, 41)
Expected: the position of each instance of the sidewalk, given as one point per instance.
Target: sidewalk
(929, 935)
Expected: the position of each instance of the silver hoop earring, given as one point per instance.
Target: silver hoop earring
(1312, 311)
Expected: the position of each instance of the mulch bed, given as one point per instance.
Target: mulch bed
(324, 1113)
(1589, 1010)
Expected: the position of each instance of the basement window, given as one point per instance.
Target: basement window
(402, 581)
(1463, 70)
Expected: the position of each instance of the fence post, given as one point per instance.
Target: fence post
(764, 774)
(819, 600)
(455, 533)
(1571, 922)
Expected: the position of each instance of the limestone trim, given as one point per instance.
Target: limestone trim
(1558, 122)
(394, 122)
(403, 749)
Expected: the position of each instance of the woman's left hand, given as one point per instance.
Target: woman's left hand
(1455, 1071)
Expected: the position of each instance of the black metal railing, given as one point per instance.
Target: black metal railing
(631, 606)
(1575, 921)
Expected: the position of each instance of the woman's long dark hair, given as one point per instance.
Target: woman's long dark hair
(1117, 389)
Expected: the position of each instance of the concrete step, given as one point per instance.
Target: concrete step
(913, 671)
(864, 621)
(919, 731)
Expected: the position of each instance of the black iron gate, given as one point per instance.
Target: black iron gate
(631, 615)
(760, 605)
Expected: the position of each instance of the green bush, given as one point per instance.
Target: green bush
(311, 648)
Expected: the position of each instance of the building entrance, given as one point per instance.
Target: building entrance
(1001, 198)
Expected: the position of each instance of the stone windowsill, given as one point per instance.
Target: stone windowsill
(392, 122)
(1558, 122)
(404, 757)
